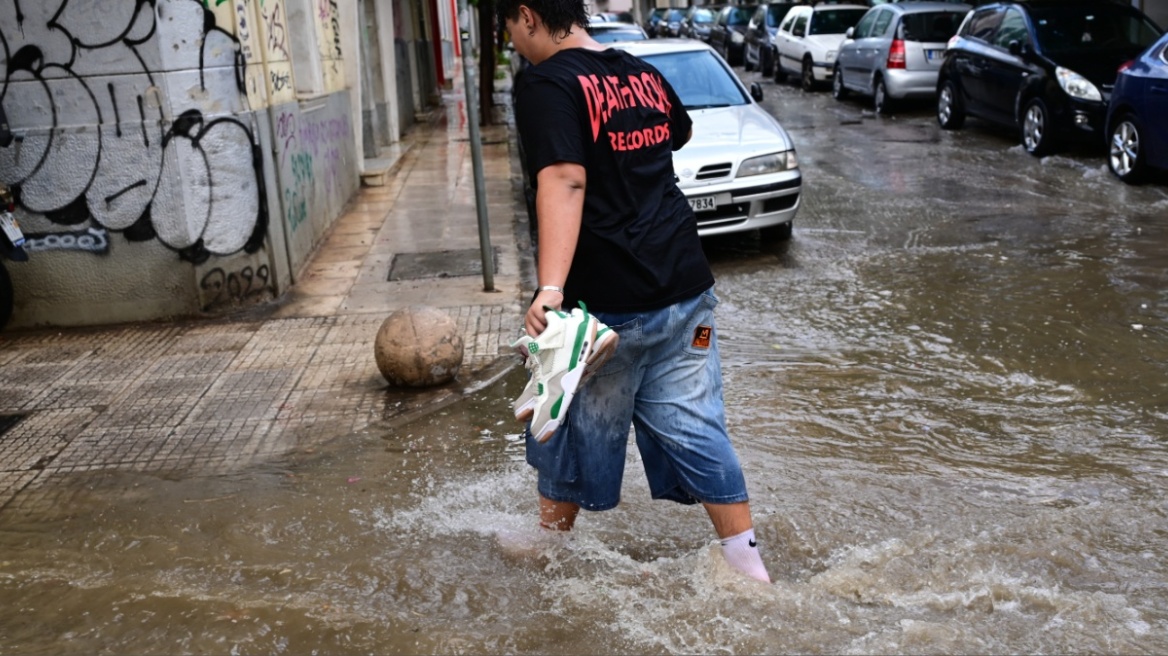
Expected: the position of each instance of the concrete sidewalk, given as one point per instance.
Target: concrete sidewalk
(217, 395)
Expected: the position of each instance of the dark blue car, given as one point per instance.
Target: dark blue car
(1137, 116)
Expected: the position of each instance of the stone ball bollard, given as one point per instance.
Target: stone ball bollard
(418, 346)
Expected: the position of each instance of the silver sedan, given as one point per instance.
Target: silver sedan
(739, 171)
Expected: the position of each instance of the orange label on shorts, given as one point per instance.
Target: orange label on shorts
(702, 337)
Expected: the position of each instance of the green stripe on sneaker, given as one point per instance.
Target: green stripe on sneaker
(555, 412)
(581, 332)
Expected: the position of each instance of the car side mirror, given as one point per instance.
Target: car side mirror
(756, 92)
(798, 31)
(1018, 49)
(850, 31)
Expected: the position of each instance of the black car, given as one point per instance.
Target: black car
(759, 52)
(698, 20)
(670, 23)
(651, 20)
(1045, 67)
(728, 36)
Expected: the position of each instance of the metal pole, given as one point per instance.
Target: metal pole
(476, 148)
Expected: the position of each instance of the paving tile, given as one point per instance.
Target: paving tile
(40, 437)
(245, 395)
(138, 343)
(184, 365)
(211, 341)
(48, 354)
(318, 286)
(343, 253)
(12, 483)
(105, 446)
(333, 270)
(193, 446)
(21, 385)
(310, 306)
(113, 372)
(79, 395)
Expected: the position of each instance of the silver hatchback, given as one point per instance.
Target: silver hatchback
(895, 52)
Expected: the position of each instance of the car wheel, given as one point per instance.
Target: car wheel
(1036, 129)
(807, 80)
(1127, 158)
(771, 234)
(950, 113)
(883, 104)
(838, 90)
(780, 72)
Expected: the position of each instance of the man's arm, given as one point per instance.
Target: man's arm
(559, 208)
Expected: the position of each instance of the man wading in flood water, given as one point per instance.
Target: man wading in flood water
(598, 128)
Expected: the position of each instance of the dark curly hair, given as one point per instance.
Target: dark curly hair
(560, 16)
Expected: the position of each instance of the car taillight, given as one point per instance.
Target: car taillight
(896, 54)
(1126, 65)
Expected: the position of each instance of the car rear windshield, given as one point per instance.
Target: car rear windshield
(776, 14)
(612, 36)
(675, 16)
(700, 80)
(739, 16)
(835, 21)
(1100, 27)
(703, 16)
(931, 27)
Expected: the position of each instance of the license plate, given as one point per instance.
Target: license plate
(11, 230)
(934, 54)
(703, 204)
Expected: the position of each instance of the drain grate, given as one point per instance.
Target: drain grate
(439, 264)
(8, 422)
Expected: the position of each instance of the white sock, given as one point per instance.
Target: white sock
(741, 551)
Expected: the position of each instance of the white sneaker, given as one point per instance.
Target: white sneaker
(574, 345)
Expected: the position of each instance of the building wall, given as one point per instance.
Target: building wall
(172, 157)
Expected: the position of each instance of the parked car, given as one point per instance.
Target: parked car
(613, 17)
(609, 32)
(739, 171)
(809, 38)
(895, 52)
(728, 35)
(759, 53)
(651, 20)
(1137, 115)
(1044, 67)
(697, 22)
(670, 24)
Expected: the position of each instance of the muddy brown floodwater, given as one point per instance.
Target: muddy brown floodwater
(949, 393)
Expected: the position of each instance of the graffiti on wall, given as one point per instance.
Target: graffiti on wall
(274, 27)
(309, 149)
(99, 141)
(221, 286)
(90, 240)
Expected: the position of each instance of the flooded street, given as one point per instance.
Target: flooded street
(949, 392)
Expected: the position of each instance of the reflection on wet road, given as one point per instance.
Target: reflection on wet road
(949, 391)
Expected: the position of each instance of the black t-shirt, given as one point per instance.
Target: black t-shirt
(618, 117)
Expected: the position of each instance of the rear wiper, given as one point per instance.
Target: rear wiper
(710, 106)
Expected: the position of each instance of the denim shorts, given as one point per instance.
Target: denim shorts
(665, 380)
